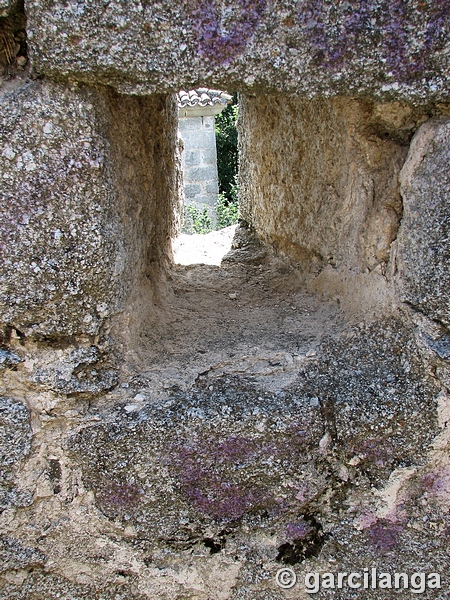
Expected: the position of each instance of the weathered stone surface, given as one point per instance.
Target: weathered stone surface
(424, 236)
(243, 423)
(227, 455)
(319, 179)
(441, 346)
(249, 437)
(38, 584)
(8, 360)
(76, 163)
(388, 49)
(15, 444)
(13, 555)
(75, 371)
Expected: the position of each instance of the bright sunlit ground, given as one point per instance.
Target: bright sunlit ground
(208, 249)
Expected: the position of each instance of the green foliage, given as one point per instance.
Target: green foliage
(227, 149)
(227, 165)
(199, 221)
(227, 212)
(196, 221)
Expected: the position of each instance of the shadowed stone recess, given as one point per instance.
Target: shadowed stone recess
(319, 178)
(5, 7)
(76, 164)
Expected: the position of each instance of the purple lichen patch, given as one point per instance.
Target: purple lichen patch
(339, 32)
(384, 535)
(436, 485)
(223, 34)
(220, 478)
(228, 478)
(118, 497)
(223, 455)
(298, 530)
(382, 452)
(223, 500)
(235, 448)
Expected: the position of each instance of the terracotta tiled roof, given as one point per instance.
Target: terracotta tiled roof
(203, 97)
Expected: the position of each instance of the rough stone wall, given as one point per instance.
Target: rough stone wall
(196, 460)
(424, 237)
(390, 49)
(319, 178)
(88, 201)
(199, 158)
